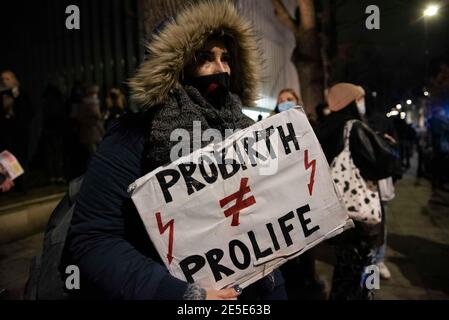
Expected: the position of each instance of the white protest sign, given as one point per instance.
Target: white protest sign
(220, 224)
(10, 165)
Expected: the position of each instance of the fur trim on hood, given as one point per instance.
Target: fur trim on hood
(171, 49)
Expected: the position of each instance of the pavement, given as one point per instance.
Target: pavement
(15, 262)
(417, 254)
(417, 245)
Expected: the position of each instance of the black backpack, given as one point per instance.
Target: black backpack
(47, 279)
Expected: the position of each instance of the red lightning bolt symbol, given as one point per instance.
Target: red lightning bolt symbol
(171, 232)
(307, 165)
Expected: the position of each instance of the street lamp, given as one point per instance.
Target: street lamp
(394, 112)
(428, 13)
(409, 101)
(431, 10)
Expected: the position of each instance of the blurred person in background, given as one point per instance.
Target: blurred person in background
(439, 132)
(16, 115)
(406, 137)
(74, 153)
(355, 248)
(322, 111)
(55, 124)
(90, 123)
(422, 145)
(287, 99)
(115, 106)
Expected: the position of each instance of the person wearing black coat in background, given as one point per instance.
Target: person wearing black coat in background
(354, 248)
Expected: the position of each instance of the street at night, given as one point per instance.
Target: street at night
(249, 150)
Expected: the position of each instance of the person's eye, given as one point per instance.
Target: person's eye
(226, 58)
(204, 57)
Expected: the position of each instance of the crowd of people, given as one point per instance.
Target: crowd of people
(205, 73)
(72, 127)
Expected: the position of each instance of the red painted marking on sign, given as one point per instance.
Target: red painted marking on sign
(239, 202)
(307, 165)
(171, 231)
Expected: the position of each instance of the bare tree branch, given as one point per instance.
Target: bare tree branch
(307, 14)
(284, 17)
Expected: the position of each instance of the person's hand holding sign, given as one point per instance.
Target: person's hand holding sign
(224, 294)
(5, 181)
(6, 185)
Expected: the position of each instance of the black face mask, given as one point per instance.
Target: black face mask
(213, 87)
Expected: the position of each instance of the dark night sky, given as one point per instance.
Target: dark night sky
(390, 59)
(393, 56)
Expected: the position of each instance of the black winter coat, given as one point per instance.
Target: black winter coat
(364, 144)
(330, 135)
(107, 239)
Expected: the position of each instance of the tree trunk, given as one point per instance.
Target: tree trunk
(306, 56)
(328, 39)
(307, 59)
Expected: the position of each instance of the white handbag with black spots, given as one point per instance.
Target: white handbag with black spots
(361, 197)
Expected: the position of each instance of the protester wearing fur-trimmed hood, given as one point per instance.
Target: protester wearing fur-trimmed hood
(201, 65)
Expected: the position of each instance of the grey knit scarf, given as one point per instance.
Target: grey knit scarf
(185, 106)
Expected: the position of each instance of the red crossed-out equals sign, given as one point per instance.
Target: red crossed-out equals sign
(240, 203)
